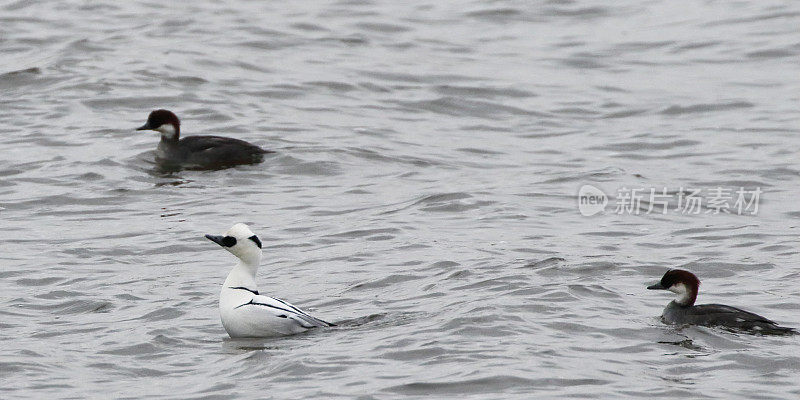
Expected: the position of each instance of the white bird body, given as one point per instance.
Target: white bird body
(243, 311)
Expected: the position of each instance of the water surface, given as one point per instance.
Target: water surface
(423, 192)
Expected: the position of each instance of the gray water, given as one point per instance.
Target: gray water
(423, 194)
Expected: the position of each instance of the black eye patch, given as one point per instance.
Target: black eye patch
(229, 241)
(255, 239)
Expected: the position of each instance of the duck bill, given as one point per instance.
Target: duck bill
(145, 127)
(657, 286)
(215, 238)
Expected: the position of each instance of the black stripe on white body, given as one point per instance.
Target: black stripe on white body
(245, 314)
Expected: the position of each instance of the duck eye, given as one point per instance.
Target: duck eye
(255, 239)
(229, 241)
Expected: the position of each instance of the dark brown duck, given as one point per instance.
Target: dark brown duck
(197, 152)
(683, 311)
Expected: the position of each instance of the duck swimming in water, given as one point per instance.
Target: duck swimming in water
(243, 310)
(197, 152)
(682, 310)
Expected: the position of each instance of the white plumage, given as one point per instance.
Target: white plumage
(245, 312)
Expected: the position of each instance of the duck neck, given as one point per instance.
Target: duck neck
(243, 275)
(169, 133)
(687, 294)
